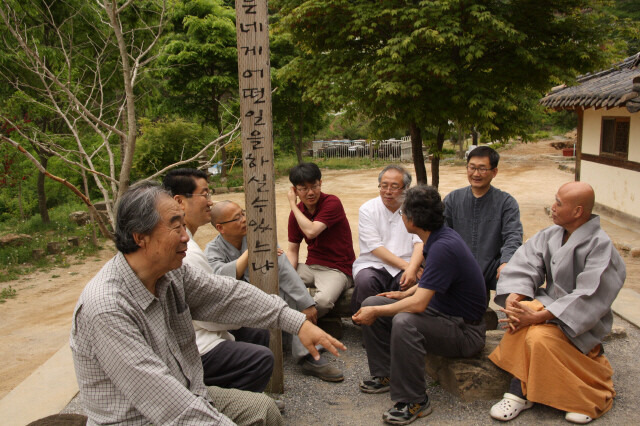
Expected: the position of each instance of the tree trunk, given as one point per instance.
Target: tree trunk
(460, 132)
(435, 163)
(418, 158)
(42, 196)
(94, 238)
(298, 141)
(20, 199)
(474, 135)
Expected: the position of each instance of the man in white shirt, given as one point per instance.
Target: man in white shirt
(232, 357)
(390, 257)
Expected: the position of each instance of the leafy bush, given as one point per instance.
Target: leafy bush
(164, 142)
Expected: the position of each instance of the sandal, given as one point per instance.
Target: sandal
(509, 407)
(581, 419)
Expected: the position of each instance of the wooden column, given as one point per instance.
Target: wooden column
(257, 151)
(578, 153)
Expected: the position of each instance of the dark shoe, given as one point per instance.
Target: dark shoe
(375, 385)
(404, 413)
(321, 369)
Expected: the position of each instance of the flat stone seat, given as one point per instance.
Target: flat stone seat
(471, 379)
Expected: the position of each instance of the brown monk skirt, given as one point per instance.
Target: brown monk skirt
(554, 372)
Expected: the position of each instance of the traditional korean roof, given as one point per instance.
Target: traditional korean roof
(618, 86)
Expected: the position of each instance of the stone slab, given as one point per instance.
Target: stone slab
(45, 392)
(627, 306)
(471, 379)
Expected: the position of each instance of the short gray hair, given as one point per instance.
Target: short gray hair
(406, 176)
(137, 213)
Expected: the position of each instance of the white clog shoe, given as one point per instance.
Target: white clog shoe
(509, 407)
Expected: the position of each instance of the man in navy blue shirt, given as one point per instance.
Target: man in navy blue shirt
(442, 315)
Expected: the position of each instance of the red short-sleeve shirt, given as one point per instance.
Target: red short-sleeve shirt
(333, 247)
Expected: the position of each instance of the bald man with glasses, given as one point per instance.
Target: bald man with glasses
(228, 255)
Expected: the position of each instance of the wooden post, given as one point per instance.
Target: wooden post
(254, 78)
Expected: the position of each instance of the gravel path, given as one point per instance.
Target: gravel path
(310, 401)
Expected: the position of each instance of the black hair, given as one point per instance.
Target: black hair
(183, 181)
(305, 173)
(424, 207)
(485, 151)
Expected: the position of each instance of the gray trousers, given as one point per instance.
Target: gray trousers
(396, 346)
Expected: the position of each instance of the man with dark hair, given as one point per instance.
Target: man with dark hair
(557, 292)
(390, 257)
(132, 341)
(320, 220)
(441, 315)
(486, 218)
(227, 254)
(232, 357)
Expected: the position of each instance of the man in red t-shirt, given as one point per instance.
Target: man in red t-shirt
(320, 220)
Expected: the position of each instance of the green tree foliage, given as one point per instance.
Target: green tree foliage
(167, 141)
(414, 64)
(199, 62)
(75, 67)
(628, 29)
(295, 116)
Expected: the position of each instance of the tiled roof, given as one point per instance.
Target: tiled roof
(617, 86)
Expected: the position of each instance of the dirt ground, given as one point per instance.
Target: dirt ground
(36, 324)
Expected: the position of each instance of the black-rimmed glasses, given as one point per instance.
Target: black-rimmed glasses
(236, 218)
(206, 195)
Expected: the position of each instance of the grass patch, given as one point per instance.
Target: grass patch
(7, 293)
(16, 261)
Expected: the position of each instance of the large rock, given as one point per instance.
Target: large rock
(471, 379)
(15, 240)
(80, 218)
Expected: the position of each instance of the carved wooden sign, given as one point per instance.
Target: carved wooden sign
(257, 151)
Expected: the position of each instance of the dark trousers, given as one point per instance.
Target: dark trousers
(396, 346)
(371, 281)
(245, 364)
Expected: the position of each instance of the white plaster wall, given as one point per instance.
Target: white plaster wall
(592, 128)
(615, 187)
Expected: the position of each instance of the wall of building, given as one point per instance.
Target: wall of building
(593, 124)
(615, 187)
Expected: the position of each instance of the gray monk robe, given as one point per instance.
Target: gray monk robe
(583, 279)
(560, 363)
(222, 257)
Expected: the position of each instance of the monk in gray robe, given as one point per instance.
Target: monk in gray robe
(553, 344)
(227, 254)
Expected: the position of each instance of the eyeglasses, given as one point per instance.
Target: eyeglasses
(392, 188)
(481, 170)
(235, 218)
(206, 195)
(305, 189)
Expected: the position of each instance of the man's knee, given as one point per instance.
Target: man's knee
(324, 303)
(375, 301)
(264, 360)
(542, 336)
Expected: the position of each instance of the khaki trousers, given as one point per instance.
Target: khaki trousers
(245, 408)
(329, 282)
